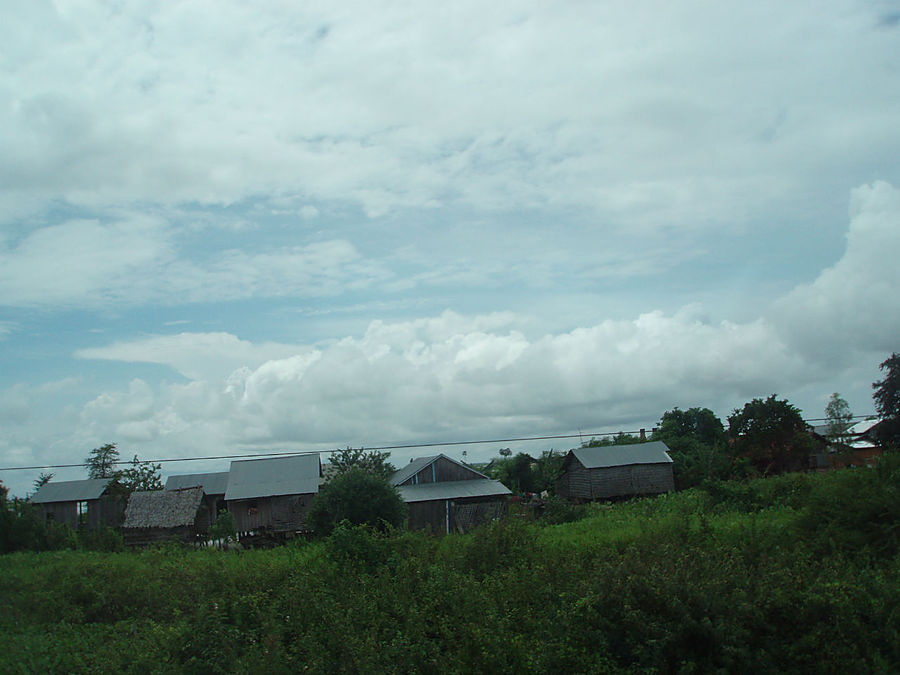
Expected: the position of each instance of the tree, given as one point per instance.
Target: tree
(101, 462)
(42, 480)
(700, 424)
(839, 419)
(357, 496)
(887, 402)
(141, 476)
(771, 433)
(370, 461)
(545, 470)
(696, 441)
(620, 438)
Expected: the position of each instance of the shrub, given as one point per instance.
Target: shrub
(358, 497)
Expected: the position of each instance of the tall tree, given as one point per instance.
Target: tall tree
(887, 402)
(141, 476)
(839, 419)
(101, 463)
(772, 434)
(370, 461)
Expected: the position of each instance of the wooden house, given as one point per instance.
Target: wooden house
(80, 503)
(274, 494)
(212, 484)
(165, 515)
(446, 496)
(615, 471)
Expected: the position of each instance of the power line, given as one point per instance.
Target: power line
(410, 446)
(319, 452)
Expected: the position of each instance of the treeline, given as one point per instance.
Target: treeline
(789, 574)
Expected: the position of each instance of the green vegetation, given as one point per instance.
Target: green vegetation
(359, 498)
(887, 401)
(792, 573)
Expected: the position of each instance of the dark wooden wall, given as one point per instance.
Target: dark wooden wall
(275, 514)
(577, 482)
(464, 514)
(108, 511)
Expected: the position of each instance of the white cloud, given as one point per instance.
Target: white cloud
(681, 114)
(453, 376)
(853, 305)
(80, 262)
(195, 355)
(136, 260)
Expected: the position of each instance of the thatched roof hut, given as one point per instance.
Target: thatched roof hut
(163, 515)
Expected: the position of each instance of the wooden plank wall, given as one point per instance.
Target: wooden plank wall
(285, 513)
(616, 481)
(429, 516)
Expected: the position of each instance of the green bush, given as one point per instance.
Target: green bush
(360, 498)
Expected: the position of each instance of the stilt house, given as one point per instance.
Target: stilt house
(614, 471)
(274, 494)
(446, 496)
(80, 503)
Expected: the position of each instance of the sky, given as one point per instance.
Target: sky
(232, 228)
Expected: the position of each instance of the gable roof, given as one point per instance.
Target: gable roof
(654, 452)
(162, 508)
(416, 465)
(454, 489)
(274, 476)
(70, 490)
(212, 483)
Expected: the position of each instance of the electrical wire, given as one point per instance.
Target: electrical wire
(410, 446)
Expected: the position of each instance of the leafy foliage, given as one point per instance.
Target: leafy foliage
(682, 583)
(887, 402)
(224, 528)
(523, 473)
(358, 497)
(839, 417)
(141, 476)
(42, 480)
(771, 433)
(697, 444)
(102, 461)
(370, 461)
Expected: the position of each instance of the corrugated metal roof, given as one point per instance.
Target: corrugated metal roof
(162, 508)
(212, 483)
(454, 489)
(70, 490)
(294, 475)
(654, 452)
(420, 463)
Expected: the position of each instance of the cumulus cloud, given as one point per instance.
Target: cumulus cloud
(853, 304)
(453, 376)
